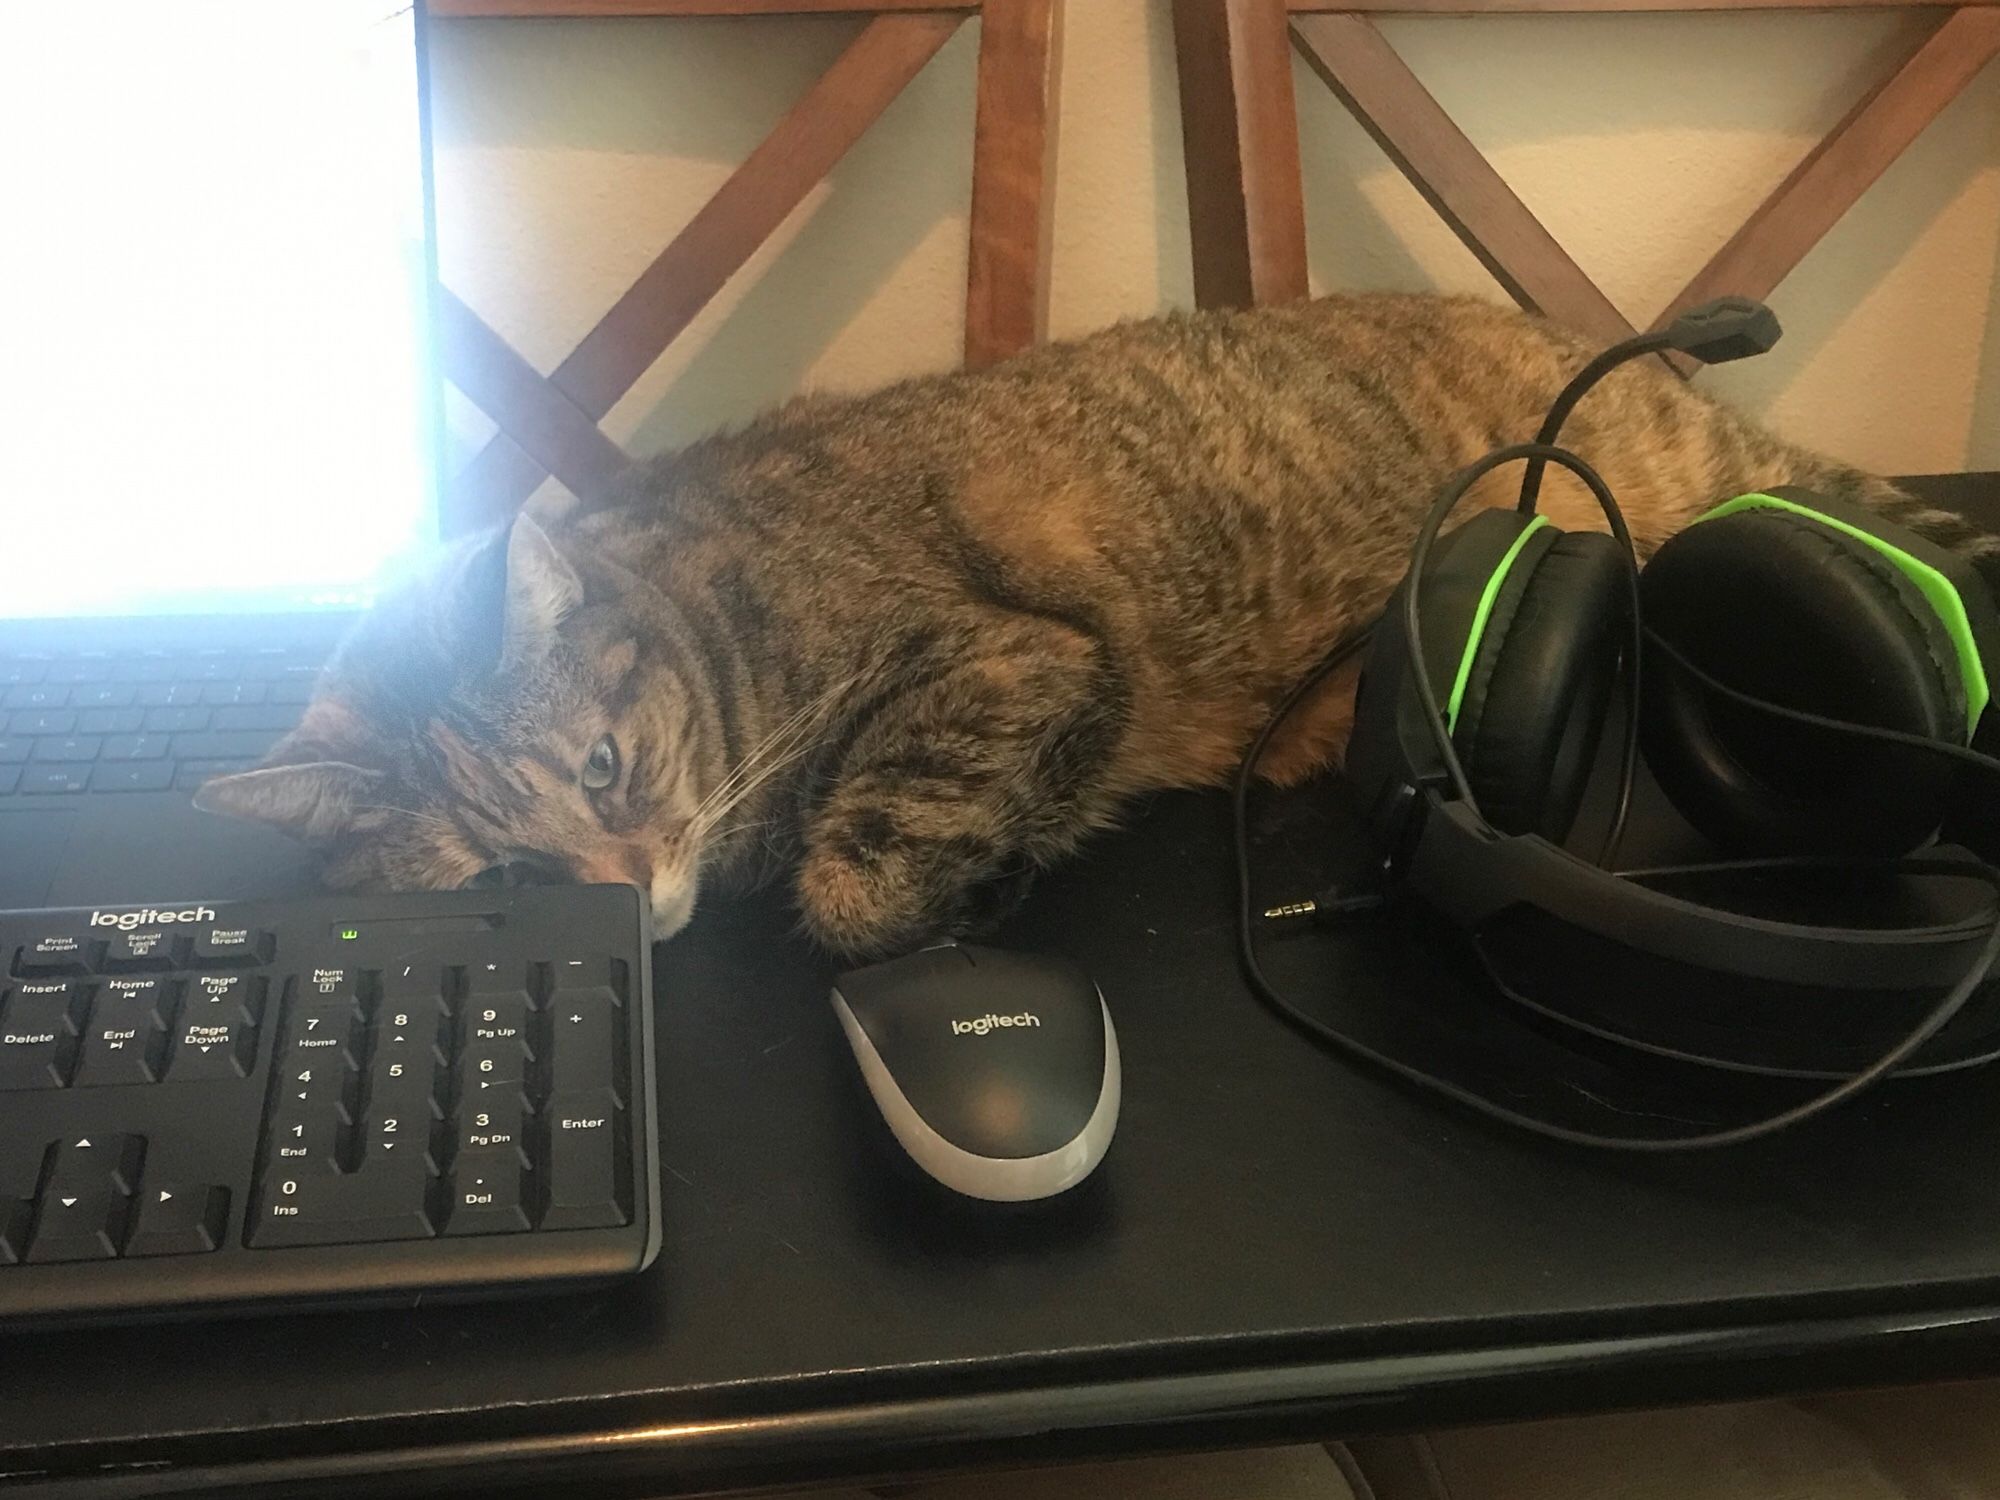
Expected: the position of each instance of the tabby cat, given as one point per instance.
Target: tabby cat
(913, 646)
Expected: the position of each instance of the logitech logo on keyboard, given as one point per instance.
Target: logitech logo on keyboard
(125, 921)
(980, 1025)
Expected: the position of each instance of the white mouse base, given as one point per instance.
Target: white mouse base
(990, 1178)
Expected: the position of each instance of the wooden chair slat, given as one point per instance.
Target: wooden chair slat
(487, 491)
(1239, 128)
(1013, 170)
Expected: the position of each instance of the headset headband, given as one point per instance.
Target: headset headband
(1473, 875)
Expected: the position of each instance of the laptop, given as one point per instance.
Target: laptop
(226, 439)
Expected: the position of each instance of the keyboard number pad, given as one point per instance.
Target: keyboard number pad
(492, 1185)
(347, 1154)
(539, 1135)
(586, 1137)
(399, 1113)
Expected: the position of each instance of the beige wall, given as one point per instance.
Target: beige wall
(569, 152)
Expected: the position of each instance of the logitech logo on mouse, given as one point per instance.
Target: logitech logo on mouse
(980, 1025)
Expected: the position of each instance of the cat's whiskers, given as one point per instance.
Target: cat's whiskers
(802, 747)
(724, 789)
(734, 830)
(776, 748)
(769, 769)
(793, 725)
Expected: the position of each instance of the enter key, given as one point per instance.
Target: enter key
(588, 1178)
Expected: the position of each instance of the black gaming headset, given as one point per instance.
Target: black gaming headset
(1814, 677)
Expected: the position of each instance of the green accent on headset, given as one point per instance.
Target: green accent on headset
(1479, 614)
(1938, 591)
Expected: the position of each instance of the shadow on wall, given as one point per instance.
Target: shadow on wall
(1641, 175)
(1985, 446)
(694, 87)
(570, 153)
(1882, 286)
(1174, 255)
(875, 208)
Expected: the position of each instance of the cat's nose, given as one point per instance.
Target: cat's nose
(623, 864)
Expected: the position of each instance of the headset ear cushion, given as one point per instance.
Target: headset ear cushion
(1791, 610)
(1535, 700)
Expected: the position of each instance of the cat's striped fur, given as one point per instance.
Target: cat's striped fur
(909, 644)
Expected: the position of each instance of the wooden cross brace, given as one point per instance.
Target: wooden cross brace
(549, 424)
(1245, 200)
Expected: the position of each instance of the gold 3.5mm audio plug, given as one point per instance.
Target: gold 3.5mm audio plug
(1327, 906)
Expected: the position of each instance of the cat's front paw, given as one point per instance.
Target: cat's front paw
(860, 909)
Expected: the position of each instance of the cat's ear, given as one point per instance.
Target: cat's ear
(542, 589)
(310, 784)
(329, 730)
(312, 801)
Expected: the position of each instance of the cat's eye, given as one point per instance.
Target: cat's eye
(600, 767)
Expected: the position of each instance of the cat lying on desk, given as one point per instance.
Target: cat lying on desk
(913, 645)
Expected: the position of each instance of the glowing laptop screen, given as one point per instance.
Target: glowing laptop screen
(215, 285)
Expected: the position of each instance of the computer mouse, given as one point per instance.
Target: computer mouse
(997, 1072)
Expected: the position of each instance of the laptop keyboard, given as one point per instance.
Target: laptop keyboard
(144, 721)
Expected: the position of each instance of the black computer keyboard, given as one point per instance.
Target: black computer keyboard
(228, 1105)
(143, 721)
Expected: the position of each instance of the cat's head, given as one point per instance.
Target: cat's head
(496, 722)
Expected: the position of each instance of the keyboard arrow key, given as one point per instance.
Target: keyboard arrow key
(83, 1226)
(180, 1221)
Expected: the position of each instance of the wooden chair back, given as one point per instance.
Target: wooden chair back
(548, 424)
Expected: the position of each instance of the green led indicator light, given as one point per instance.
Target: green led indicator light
(349, 934)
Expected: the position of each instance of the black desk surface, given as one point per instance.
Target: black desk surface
(1277, 1245)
